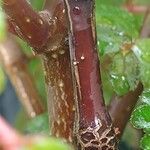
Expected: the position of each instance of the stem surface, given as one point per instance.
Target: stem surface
(93, 127)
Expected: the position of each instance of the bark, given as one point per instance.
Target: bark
(60, 93)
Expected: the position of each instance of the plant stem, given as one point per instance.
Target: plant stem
(27, 23)
(93, 128)
(44, 31)
(60, 93)
(145, 30)
(14, 62)
(57, 67)
(121, 108)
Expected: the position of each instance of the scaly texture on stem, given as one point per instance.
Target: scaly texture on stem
(14, 63)
(55, 54)
(93, 127)
(60, 93)
(56, 61)
(121, 108)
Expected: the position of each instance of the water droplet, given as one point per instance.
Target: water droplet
(121, 33)
(110, 43)
(76, 10)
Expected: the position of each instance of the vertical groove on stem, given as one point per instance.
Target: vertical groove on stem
(60, 93)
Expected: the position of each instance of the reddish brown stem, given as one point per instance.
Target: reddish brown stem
(14, 63)
(58, 76)
(44, 30)
(121, 108)
(145, 30)
(27, 23)
(93, 128)
(60, 93)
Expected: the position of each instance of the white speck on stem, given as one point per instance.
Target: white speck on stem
(28, 19)
(40, 21)
(29, 36)
(54, 56)
(82, 57)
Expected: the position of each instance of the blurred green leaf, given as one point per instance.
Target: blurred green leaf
(145, 97)
(37, 4)
(116, 30)
(142, 50)
(2, 81)
(145, 142)
(120, 84)
(141, 117)
(47, 144)
(124, 72)
(2, 25)
(110, 2)
(115, 27)
(141, 2)
(38, 125)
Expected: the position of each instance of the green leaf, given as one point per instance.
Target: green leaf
(145, 142)
(2, 81)
(110, 2)
(115, 27)
(120, 84)
(2, 25)
(37, 4)
(131, 70)
(145, 97)
(38, 125)
(47, 144)
(142, 2)
(142, 50)
(124, 72)
(141, 117)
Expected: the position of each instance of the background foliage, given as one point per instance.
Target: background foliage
(125, 61)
